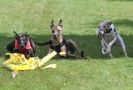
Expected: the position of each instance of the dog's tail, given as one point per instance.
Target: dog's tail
(45, 43)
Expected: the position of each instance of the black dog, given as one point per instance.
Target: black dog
(23, 44)
(65, 48)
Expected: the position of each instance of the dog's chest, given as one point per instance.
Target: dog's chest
(108, 37)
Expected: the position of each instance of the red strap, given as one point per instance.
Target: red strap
(28, 45)
(16, 44)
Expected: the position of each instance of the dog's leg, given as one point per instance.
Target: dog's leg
(63, 51)
(110, 44)
(110, 55)
(73, 56)
(106, 48)
(72, 44)
(122, 45)
(124, 49)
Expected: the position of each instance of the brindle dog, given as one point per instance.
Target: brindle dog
(65, 48)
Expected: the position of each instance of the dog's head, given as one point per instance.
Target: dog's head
(21, 40)
(104, 27)
(57, 30)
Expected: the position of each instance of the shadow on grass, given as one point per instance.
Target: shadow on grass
(124, 22)
(90, 44)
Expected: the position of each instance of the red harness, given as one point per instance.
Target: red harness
(22, 50)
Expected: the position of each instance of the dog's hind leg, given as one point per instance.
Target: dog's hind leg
(124, 49)
(73, 56)
(122, 45)
(110, 55)
(72, 47)
(73, 44)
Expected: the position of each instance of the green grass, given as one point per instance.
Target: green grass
(81, 18)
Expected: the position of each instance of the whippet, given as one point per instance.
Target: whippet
(109, 37)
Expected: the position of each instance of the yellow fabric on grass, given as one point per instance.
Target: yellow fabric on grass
(18, 62)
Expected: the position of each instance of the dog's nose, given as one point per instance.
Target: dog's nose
(54, 35)
(101, 32)
(21, 46)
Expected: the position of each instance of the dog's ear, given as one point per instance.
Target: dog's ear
(52, 23)
(61, 23)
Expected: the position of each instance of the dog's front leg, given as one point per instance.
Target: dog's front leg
(105, 49)
(63, 51)
(110, 44)
(106, 46)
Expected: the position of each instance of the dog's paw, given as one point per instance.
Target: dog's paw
(62, 53)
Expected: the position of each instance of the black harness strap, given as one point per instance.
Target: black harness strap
(109, 30)
(57, 48)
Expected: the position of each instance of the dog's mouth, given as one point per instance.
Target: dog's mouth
(21, 46)
(100, 32)
(55, 38)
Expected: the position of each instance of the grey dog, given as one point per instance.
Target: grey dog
(109, 37)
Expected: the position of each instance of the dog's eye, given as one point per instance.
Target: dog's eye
(59, 30)
(52, 31)
(104, 26)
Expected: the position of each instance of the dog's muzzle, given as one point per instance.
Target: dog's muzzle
(21, 46)
(100, 32)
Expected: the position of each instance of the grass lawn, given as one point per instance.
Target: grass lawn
(81, 18)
